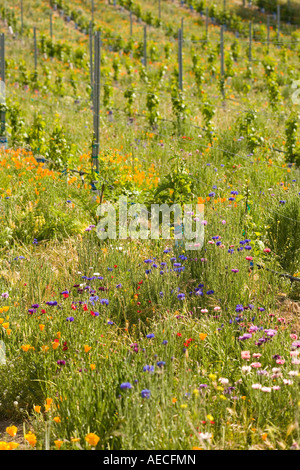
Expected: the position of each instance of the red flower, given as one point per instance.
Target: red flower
(65, 347)
(179, 334)
(66, 296)
(85, 308)
(73, 307)
(43, 311)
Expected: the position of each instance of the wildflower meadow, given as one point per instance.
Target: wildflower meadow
(150, 225)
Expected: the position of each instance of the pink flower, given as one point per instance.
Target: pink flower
(281, 319)
(245, 355)
(204, 310)
(280, 361)
(293, 336)
(256, 355)
(249, 258)
(276, 387)
(216, 309)
(256, 365)
(267, 250)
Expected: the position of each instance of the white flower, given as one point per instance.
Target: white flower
(266, 389)
(205, 435)
(246, 369)
(223, 381)
(256, 386)
(293, 372)
(287, 382)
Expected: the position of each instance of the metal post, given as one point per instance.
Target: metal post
(91, 58)
(206, 23)
(222, 55)
(250, 41)
(35, 50)
(3, 140)
(180, 78)
(22, 24)
(145, 46)
(268, 33)
(159, 10)
(278, 23)
(96, 104)
(224, 6)
(182, 28)
(130, 23)
(51, 26)
(92, 8)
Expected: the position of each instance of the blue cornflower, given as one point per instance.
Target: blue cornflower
(148, 368)
(145, 393)
(126, 385)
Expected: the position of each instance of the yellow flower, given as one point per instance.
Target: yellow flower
(75, 439)
(5, 309)
(41, 327)
(8, 331)
(174, 400)
(58, 443)
(209, 417)
(264, 436)
(195, 391)
(31, 438)
(57, 419)
(93, 366)
(4, 445)
(49, 401)
(45, 348)
(87, 348)
(26, 347)
(183, 406)
(37, 409)
(222, 397)
(212, 376)
(92, 439)
(202, 336)
(12, 430)
(5, 325)
(55, 345)
(196, 448)
(13, 445)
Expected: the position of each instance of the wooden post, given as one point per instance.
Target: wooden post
(145, 46)
(96, 103)
(3, 139)
(250, 41)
